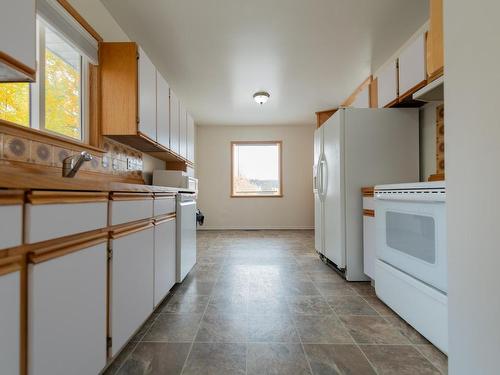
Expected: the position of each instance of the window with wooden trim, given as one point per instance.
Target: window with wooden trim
(256, 169)
(57, 102)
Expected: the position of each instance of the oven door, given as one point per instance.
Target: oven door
(411, 236)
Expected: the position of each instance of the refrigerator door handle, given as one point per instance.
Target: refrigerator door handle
(324, 177)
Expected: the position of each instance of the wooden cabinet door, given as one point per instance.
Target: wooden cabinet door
(190, 138)
(17, 40)
(387, 83)
(147, 96)
(162, 111)
(435, 43)
(174, 123)
(183, 131)
(131, 295)
(412, 74)
(67, 312)
(164, 259)
(10, 319)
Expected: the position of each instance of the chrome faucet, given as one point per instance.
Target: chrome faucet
(72, 164)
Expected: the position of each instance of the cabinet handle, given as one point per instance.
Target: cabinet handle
(368, 212)
(164, 219)
(10, 264)
(66, 247)
(130, 229)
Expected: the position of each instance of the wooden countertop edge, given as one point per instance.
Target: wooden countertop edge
(25, 181)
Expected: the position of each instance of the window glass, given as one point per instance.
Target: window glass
(15, 103)
(62, 87)
(256, 169)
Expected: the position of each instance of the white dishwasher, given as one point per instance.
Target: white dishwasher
(186, 234)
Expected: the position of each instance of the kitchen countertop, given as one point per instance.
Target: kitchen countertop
(25, 181)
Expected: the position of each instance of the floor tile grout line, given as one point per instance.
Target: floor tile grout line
(199, 325)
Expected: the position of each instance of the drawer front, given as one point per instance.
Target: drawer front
(368, 203)
(11, 225)
(48, 221)
(163, 206)
(126, 211)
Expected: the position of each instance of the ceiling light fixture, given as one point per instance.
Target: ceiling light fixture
(261, 97)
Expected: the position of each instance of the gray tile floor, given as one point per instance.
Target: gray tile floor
(261, 302)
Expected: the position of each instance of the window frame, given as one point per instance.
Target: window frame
(37, 89)
(280, 168)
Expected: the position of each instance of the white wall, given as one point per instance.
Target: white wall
(472, 136)
(213, 154)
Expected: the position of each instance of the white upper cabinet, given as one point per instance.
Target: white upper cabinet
(412, 66)
(363, 99)
(162, 111)
(147, 96)
(174, 123)
(183, 131)
(17, 40)
(190, 138)
(387, 83)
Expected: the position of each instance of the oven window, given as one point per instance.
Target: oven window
(414, 235)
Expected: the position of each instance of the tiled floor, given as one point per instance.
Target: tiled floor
(261, 302)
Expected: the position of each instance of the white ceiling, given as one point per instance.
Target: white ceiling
(308, 54)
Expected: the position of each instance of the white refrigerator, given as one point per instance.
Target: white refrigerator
(358, 147)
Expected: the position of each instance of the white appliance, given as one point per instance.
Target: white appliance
(355, 148)
(178, 179)
(186, 234)
(411, 267)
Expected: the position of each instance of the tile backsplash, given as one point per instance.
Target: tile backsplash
(117, 160)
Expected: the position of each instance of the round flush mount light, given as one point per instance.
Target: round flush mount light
(261, 97)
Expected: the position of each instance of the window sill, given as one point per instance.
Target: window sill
(10, 128)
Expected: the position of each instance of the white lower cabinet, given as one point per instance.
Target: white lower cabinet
(67, 309)
(131, 277)
(369, 249)
(369, 240)
(164, 258)
(10, 317)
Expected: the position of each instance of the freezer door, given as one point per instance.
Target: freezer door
(333, 190)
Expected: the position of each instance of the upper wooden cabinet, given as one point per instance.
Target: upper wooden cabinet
(138, 107)
(411, 69)
(435, 44)
(387, 84)
(17, 41)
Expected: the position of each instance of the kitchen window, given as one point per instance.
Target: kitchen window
(57, 101)
(256, 169)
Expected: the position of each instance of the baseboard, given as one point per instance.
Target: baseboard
(253, 228)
